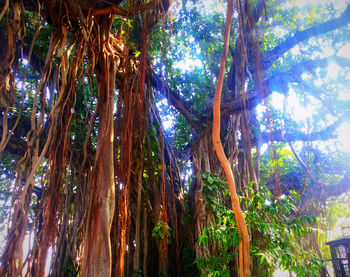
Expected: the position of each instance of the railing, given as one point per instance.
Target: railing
(341, 267)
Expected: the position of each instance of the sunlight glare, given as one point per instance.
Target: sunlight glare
(344, 95)
(295, 108)
(277, 100)
(344, 137)
(188, 64)
(333, 70)
(338, 4)
(344, 51)
(327, 51)
(263, 148)
(168, 124)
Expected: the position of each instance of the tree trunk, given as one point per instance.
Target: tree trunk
(97, 246)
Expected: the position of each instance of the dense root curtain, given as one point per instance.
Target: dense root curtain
(242, 227)
(77, 217)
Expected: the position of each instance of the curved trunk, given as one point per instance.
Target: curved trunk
(242, 227)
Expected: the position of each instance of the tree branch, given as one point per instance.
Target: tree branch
(311, 65)
(310, 89)
(325, 134)
(175, 100)
(277, 82)
(312, 178)
(258, 10)
(270, 57)
(125, 12)
(322, 192)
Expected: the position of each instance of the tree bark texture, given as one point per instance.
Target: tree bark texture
(97, 245)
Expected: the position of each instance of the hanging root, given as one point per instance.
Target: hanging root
(12, 256)
(244, 262)
(164, 243)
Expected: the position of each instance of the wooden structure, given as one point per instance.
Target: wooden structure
(340, 250)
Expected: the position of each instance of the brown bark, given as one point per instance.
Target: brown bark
(97, 248)
(242, 227)
(136, 262)
(145, 243)
(100, 195)
(163, 244)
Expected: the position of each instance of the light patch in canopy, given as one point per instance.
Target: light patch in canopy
(188, 64)
(344, 95)
(277, 100)
(338, 4)
(345, 51)
(344, 137)
(333, 70)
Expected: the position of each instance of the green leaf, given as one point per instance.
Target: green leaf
(137, 53)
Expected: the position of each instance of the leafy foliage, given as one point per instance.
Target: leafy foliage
(277, 236)
(158, 231)
(214, 192)
(290, 172)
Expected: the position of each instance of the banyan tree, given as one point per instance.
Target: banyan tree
(97, 186)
